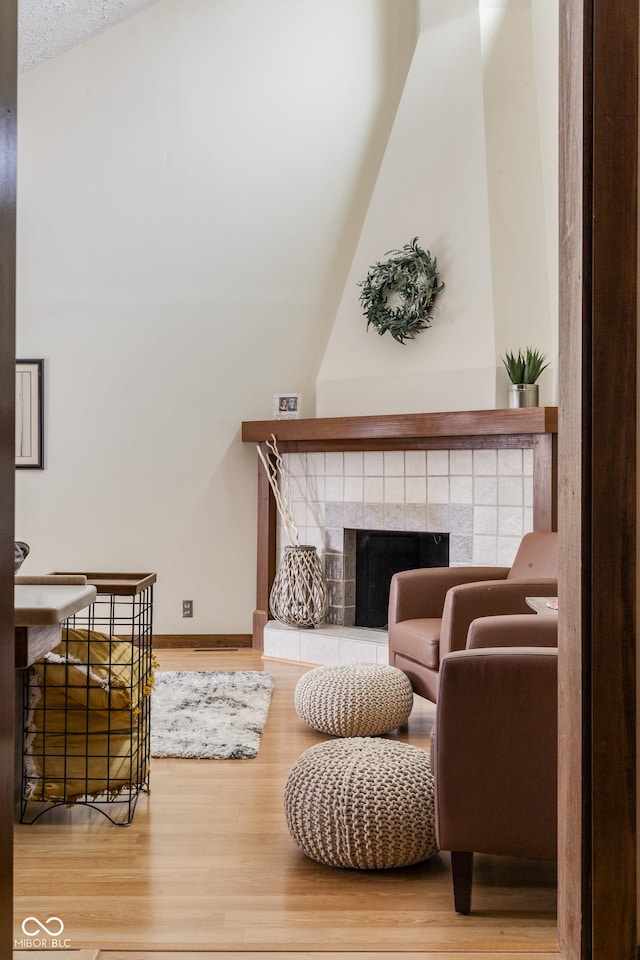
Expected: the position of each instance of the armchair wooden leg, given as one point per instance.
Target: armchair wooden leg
(462, 871)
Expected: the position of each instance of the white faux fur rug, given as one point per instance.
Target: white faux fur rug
(209, 714)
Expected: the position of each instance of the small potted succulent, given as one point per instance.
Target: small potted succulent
(524, 368)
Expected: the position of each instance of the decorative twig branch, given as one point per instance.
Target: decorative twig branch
(279, 483)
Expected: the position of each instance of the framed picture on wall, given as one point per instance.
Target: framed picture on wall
(29, 414)
(287, 406)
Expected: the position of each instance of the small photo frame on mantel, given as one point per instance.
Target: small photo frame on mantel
(287, 406)
(29, 414)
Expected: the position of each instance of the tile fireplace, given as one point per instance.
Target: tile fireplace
(484, 478)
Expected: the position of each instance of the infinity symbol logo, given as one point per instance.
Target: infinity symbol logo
(41, 927)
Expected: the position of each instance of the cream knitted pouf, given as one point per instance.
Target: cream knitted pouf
(362, 802)
(354, 700)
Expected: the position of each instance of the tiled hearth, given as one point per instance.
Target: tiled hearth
(326, 644)
(483, 498)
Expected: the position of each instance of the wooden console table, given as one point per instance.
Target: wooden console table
(534, 428)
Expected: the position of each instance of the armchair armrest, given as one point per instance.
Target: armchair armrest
(469, 601)
(420, 594)
(494, 752)
(513, 630)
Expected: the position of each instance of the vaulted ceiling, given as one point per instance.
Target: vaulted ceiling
(49, 27)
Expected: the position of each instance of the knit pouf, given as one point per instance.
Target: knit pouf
(362, 802)
(354, 700)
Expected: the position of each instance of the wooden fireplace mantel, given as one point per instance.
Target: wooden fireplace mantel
(533, 428)
(390, 430)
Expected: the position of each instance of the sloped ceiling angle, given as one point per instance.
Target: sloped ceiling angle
(48, 28)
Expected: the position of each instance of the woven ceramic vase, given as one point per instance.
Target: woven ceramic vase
(299, 593)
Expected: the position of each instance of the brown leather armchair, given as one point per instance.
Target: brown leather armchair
(430, 610)
(494, 746)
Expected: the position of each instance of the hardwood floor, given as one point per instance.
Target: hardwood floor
(208, 865)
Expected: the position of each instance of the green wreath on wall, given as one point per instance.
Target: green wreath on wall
(397, 295)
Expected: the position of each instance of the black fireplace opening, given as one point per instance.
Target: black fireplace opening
(380, 554)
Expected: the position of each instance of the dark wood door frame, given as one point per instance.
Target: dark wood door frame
(597, 478)
(8, 33)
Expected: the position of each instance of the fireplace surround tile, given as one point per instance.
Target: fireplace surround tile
(315, 464)
(354, 515)
(314, 537)
(485, 521)
(415, 517)
(297, 464)
(437, 463)
(461, 518)
(298, 487)
(528, 491)
(485, 490)
(315, 516)
(461, 489)
(510, 462)
(334, 513)
(373, 516)
(510, 491)
(299, 509)
(415, 463)
(394, 518)
(394, 489)
(415, 489)
(373, 463)
(354, 488)
(337, 592)
(394, 463)
(511, 521)
(527, 463)
(485, 462)
(438, 517)
(460, 551)
(334, 488)
(334, 566)
(374, 490)
(485, 550)
(353, 464)
(334, 537)
(461, 462)
(482, 498)
(438, 489)
(334, 464)
(316, 489)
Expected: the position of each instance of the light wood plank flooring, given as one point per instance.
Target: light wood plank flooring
(208, 865)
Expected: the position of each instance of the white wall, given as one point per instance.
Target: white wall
(467, 170)
(545, 20)
(192, 184)
(520, 77)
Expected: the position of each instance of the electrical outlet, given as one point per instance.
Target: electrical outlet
(187, 608)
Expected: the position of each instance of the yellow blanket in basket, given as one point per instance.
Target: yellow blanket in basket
(87, 718)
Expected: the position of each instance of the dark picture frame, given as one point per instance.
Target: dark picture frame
(30, 414)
